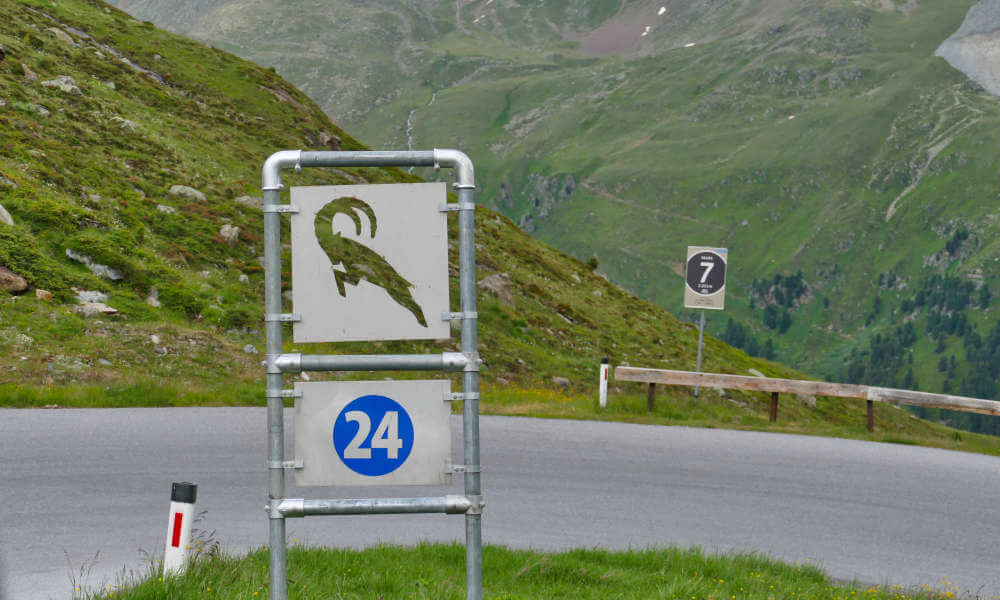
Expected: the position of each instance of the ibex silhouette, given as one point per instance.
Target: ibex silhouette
(351, 261)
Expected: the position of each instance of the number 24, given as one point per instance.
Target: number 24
(386, 435)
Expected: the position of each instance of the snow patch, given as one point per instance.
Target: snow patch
(646, 32)
(663, 9)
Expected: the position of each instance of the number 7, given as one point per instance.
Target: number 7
(708, 269)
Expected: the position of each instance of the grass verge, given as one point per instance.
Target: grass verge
(437, 571)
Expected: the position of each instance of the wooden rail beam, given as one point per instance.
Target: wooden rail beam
(813, 388)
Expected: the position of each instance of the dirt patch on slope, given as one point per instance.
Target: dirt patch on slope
(619, 35)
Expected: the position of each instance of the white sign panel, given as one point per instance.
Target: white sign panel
(705, 280)
(370, 262)
(360, 433)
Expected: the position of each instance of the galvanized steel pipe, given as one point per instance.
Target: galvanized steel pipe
(299, 507)
(388, 158)
(275, 381)
(296, 363)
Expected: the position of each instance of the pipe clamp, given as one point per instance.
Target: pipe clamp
(285, 464)
(476, 504)
(457, 316)
(283, 318)
(287, 363)
(280, 208)
(270, 362)
(457, 206)
(465, 469)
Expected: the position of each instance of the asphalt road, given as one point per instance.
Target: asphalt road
(80, 482)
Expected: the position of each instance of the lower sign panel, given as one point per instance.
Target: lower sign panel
(373, 433)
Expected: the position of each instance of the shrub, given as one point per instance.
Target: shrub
(19, 252)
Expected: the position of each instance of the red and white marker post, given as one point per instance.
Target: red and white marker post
(605, 366)
(175, 555)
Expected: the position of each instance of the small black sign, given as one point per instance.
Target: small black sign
(706, 273)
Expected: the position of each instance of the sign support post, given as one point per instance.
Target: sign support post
(277, 364)
(701, 336)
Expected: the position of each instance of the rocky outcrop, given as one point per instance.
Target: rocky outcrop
(184, 191)
(250, 201)
(93, 309)
(543, 195)
(62, 36)
(96, 268)
(975, 48)
(11, 281)
(65, 84)
(500, 285)
(229, 233)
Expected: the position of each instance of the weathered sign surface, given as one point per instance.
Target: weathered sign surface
(370, 262)
(358, 433)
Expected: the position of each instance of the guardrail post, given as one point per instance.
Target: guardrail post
(176, 554)
(602, 397)
(774, 407)
(871, 415)
(651, 397)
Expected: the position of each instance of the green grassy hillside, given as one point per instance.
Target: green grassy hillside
(133, 291)
(820, 141)
(90, 172)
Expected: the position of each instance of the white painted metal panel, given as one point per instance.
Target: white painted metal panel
(338, 445)
(370, 262)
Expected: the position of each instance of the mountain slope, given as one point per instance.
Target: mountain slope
(130, 172)
(131, 275)
(821, 141)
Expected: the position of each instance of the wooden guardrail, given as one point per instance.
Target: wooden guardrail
(812, 388)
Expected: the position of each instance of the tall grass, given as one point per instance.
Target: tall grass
(437, 571)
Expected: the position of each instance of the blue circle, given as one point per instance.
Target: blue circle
(356, 442)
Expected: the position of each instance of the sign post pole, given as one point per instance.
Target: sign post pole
(275, 379)
(470, 387)
(701, 336)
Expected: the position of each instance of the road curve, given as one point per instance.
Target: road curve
(79, 482)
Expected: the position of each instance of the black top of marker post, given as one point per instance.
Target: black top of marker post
(604, 361)
(184, 492)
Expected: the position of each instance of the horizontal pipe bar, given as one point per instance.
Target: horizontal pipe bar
(450, 504)
(812, 388)
(388, 158)
(296, 363)
(297, 159)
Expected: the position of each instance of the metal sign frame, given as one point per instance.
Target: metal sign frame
(278, 363)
